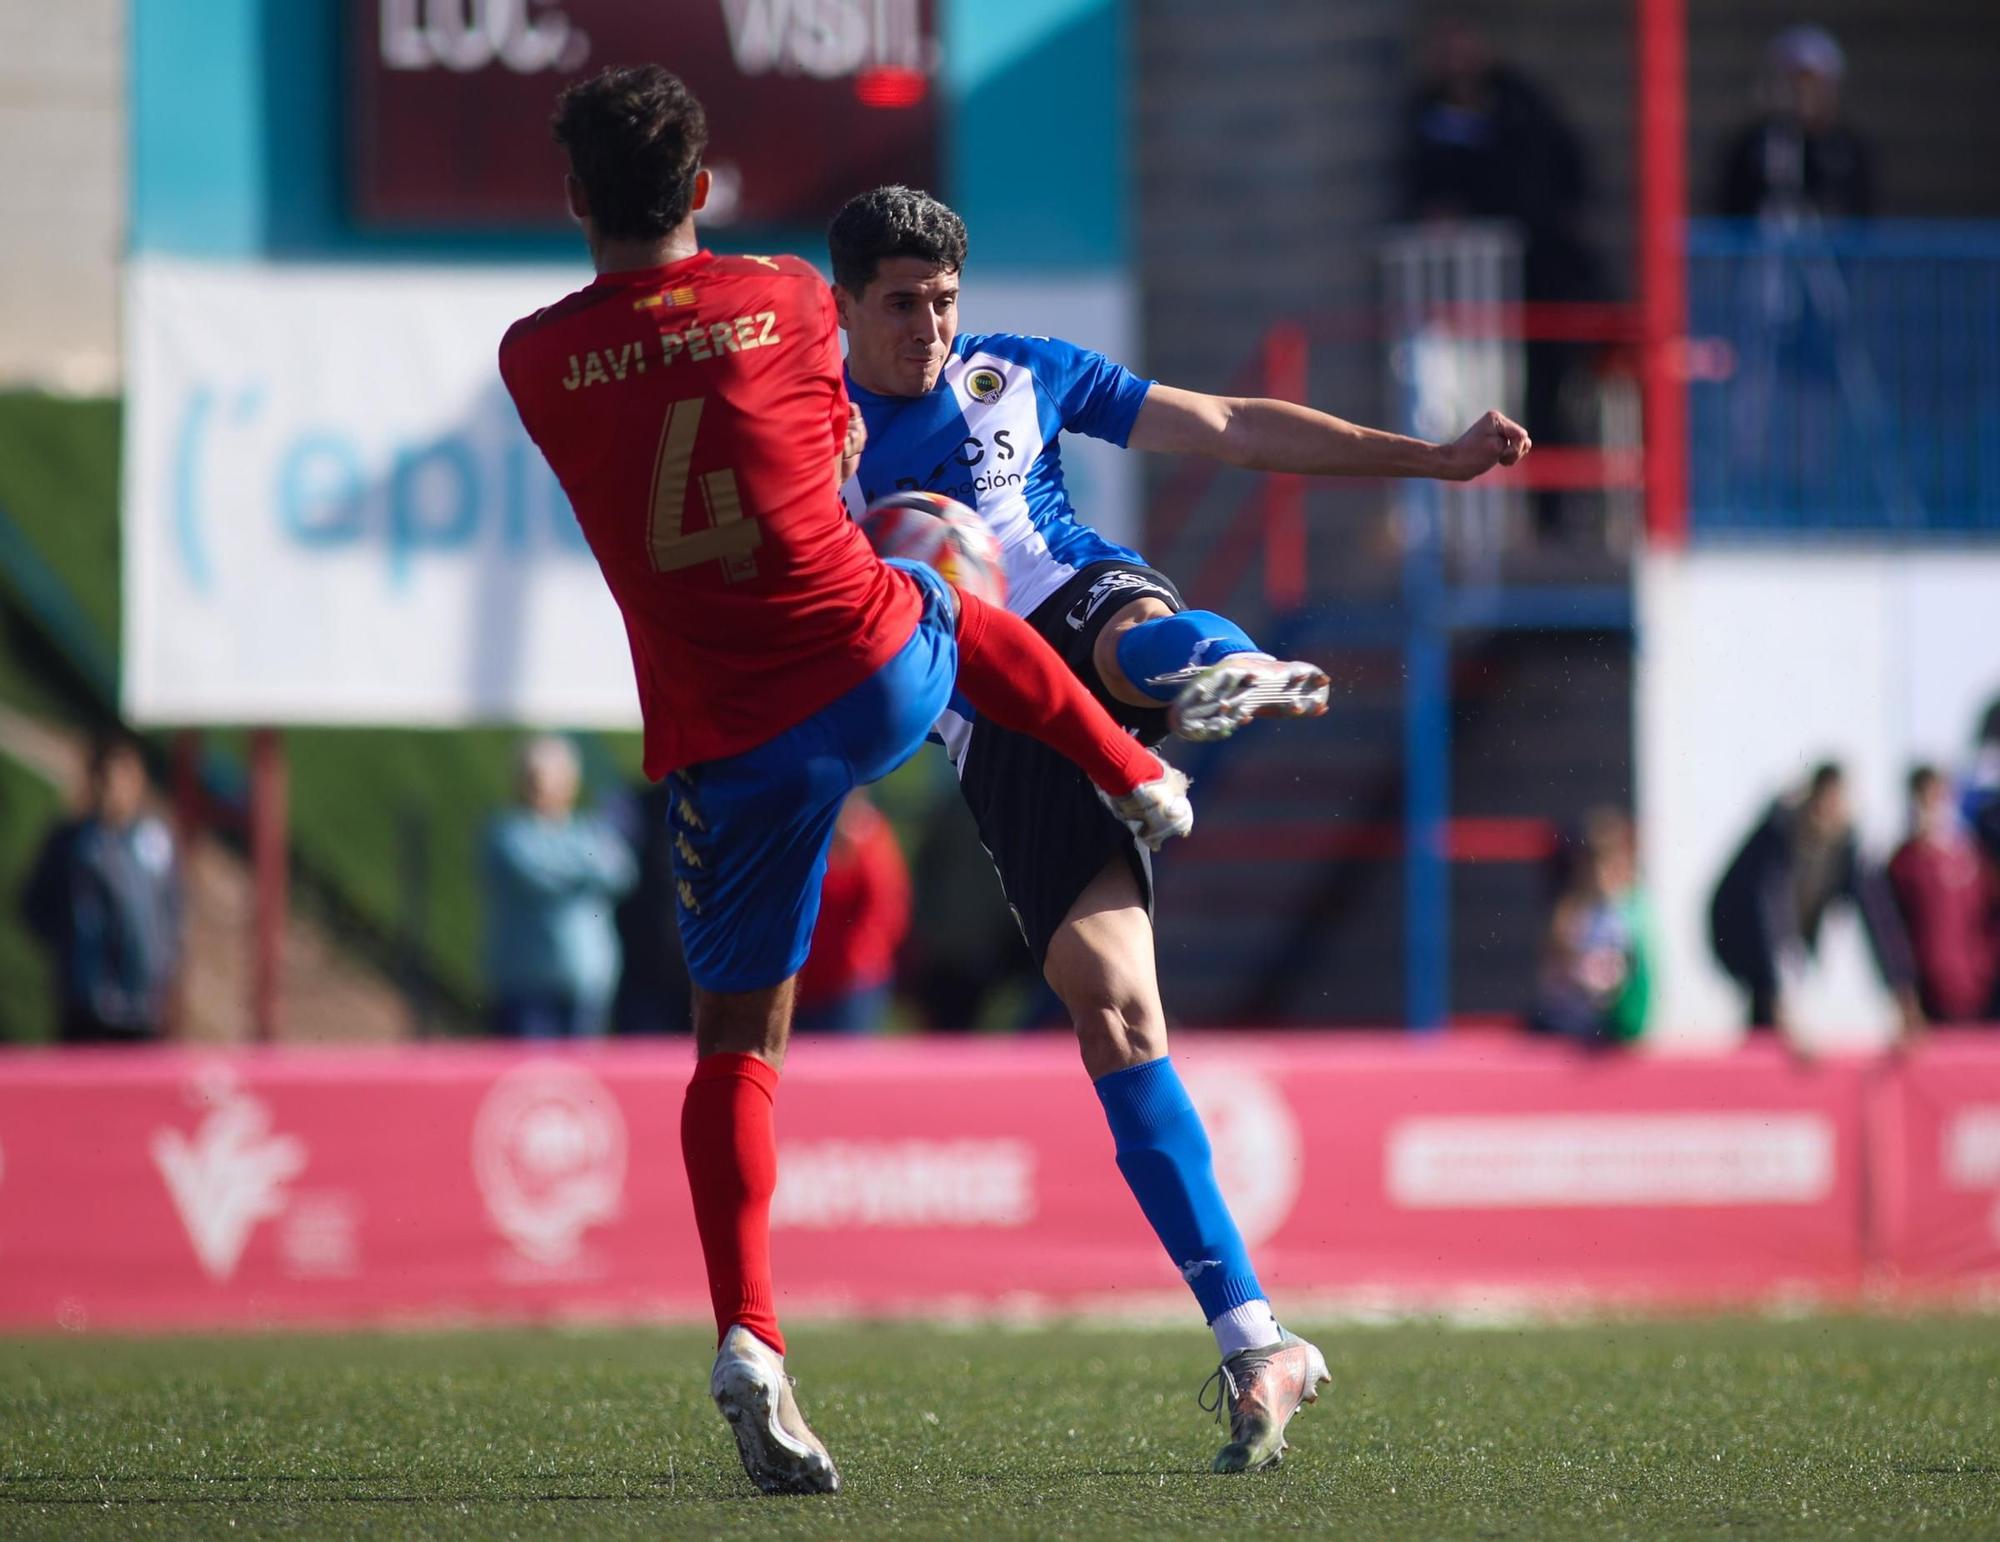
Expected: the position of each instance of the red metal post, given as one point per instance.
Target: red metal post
(1662, 132)
(1284, 370)
(269, 821)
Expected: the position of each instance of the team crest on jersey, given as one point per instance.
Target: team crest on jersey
(985, 385)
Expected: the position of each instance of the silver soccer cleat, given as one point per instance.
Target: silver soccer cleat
(1262, 1389)
(780, 1452)
(1221, 697)
(1155, 811)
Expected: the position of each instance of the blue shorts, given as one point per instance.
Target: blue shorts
(751, 831)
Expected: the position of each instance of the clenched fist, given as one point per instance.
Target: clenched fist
(1495, 440)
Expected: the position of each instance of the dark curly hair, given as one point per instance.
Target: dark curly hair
(634, 138)
(892, 222)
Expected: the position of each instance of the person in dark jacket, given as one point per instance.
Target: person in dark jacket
(1799, 160)
(104, 898)
(1800, 859)
(1482, 141)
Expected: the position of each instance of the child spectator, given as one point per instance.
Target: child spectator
(1597, 977)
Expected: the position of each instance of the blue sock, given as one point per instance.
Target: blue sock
(1163, 1153)
(1169, 645)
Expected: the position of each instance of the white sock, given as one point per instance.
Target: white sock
(1249, 1326)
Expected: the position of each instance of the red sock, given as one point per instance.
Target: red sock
(1011, 675)
(729, 1141)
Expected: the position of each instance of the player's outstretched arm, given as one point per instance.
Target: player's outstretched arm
(1265, 435)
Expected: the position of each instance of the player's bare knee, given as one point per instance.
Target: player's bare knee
(1116, 1032)
(744, 1022)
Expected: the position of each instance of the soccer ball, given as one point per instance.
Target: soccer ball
(944, 535)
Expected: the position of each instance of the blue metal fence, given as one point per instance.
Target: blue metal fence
(1848, 381)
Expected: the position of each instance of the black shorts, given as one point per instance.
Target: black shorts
(1039, 816)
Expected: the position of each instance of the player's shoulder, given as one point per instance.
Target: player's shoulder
(1036, 353)
(780, 268)
(532, 325)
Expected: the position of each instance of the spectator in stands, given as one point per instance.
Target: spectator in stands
(1764, 920)
(1944, 892)
(864, 914)
(1596, 984)
(654, 995)
(104, 898)
(1799, 160)
(1982, 784)
(1981, 810)
(554, 878)
(1483, 142)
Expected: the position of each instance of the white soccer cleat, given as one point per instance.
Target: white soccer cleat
(1155, 811)
(781, 1454)
(1220, 698)
(1261, 1389)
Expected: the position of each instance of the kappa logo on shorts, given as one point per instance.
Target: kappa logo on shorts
(985, 385)
(1111, 583)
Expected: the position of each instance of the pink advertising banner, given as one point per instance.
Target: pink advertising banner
(1936, 1125)
(175, 1188)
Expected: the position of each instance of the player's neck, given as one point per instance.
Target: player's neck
(617, 254)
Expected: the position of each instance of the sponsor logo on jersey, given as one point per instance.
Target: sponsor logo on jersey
(985, 385)
(1120, 582)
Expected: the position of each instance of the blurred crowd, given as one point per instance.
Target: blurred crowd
(581, 935)
(1930, 911)
(1484, 141)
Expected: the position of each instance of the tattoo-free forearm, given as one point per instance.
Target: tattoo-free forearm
(1268, 435)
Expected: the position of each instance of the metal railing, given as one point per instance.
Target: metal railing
(1844, 380)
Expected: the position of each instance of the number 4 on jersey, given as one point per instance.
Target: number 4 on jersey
(730, 538)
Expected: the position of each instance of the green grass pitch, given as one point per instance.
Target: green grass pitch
(1807, 1428)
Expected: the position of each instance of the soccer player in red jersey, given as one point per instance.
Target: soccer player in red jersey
(693, 409)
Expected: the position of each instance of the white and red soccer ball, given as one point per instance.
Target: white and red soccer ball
(944, 535)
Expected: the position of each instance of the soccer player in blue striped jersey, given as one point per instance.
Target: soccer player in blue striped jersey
(980, 419)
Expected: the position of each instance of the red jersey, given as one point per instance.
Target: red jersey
(1945, 895)
(694, 414)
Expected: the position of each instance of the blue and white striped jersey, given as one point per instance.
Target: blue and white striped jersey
(988, 434)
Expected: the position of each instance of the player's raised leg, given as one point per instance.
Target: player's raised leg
(1203, 668)
(1100, 962)
(1013, 678)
